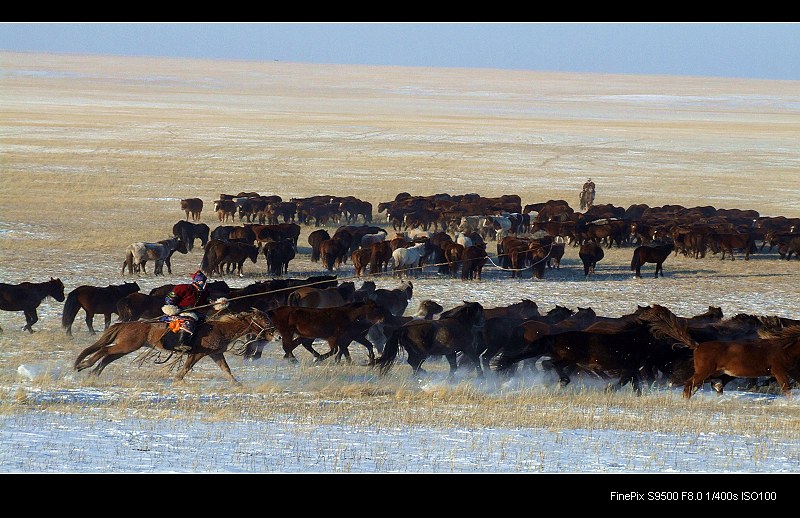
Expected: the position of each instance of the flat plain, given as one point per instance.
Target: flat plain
(97, 152)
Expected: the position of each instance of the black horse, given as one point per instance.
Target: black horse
(27, 296)
(188, 232)
(447, 336)
(94, 300)
(651, 254)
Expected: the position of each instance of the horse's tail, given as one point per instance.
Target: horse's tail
(635, 260)
(385, 362)
(663, 323)
(71, 308)
(107, 338)
(204, 264)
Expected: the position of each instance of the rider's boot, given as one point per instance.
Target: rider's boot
(184, 342)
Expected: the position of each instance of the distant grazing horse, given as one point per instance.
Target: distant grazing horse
(447, 336)
(138, 254)
(193, 207)
(315, 238)
(651, 254)
(212, 338)
(772, 354)
(27, 296)
(188, 232)
(278, 255)
(360, 259)
(472, 262)
(339, 326)
(407, 260)
(590, 253)
(728, 242)
(94, 300)
(312, 297)
(223, 257)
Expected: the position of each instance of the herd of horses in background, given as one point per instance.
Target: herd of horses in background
(451, 234)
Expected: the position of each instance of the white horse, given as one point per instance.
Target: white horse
(406, 259)
(463, 240)
(137, 255)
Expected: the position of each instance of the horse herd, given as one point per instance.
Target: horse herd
(626, 350)
(651, 345)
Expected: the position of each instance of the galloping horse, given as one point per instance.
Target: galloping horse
(339, 326)
(772, 354)
(446, 336)
(651, 254)
(212, 338)
(27, 296)
(94, 300)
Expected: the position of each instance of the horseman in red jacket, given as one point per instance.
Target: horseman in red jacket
(178, 309)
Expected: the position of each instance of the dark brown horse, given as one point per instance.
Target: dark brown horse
(447, 336)
(775, 354)
(396, 299)
(618, 347)
(651, 254)
(339, 326)
(27, 296)
(313, 297)
(590, 253)
(212, 338)
(94, 300)
(137, 305)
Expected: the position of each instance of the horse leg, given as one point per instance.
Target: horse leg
(333, 349)
(89, 321)
(108, 358)
(108, 320)
(370, 349)
(30, 318)
(415, 361)
(694, 383)
(307, 344)
(782, 377)
(452, 359)
(659, 268)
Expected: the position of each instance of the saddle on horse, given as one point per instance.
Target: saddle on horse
(180, 333)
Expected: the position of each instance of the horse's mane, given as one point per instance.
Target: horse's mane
(665, 324)
(785, 336)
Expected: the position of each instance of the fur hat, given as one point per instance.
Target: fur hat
(199, 279)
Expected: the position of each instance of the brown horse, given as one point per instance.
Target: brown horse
(447, 336)
(135, 306)
(774, 354)
(27, 296)
(651, 254)
(313, 297)
(212, 338)
(339, 326)
(94, 300)
(618, 347)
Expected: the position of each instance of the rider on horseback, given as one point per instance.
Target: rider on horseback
(178, 303)
(587, 195)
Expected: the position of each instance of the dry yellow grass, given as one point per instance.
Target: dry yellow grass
(97, 152)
